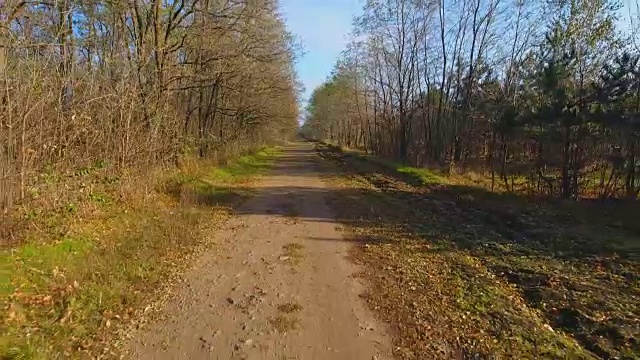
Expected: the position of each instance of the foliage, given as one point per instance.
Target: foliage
(68, 296)
(138, 84)
(545, 92)
(461, 272)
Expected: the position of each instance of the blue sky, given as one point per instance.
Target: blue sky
(322, 26)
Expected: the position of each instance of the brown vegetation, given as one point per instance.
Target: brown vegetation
(137, 84)
(88, 272)
(542, 97)
(472, 122)
(461, 272)
(119, 120)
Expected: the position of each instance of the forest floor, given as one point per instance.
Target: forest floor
(329, 254)
(461, 272)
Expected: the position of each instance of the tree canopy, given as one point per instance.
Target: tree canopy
(543, 96)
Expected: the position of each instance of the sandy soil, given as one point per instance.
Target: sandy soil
(276, 284)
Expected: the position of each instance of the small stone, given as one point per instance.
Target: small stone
(231, 301)
(248, 342)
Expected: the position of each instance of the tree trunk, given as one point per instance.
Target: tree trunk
(631, 168)
(566, 156)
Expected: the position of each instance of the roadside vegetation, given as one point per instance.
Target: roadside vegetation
(125, 129)
(492, 173)
(86, 271)
(536, 97)
(459, 271)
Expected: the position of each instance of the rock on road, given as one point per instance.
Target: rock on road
(276, 284)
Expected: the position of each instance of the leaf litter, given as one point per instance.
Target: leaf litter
(458, 272)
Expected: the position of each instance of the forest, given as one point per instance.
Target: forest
(541, 97)
(154, 205)
(124, 127)
(134, 85)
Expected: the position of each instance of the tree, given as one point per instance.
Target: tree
(481, 85)
(139, 83)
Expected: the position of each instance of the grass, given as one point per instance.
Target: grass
(85, 272)
(247, 166)
(423, 176)
(460, 272)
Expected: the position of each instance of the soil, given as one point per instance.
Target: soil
(275, 284)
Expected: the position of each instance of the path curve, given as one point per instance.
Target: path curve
(276, 284)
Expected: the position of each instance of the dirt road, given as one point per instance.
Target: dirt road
(276, 284)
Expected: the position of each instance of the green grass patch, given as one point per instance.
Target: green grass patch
(422, 176)
(245, 167)
(426, 176)
(65, 294)
(214, 186)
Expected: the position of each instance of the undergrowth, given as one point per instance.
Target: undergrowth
(461, 272)
(84, 270)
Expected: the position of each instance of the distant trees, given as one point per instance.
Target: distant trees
(540, 95)
(138, 83)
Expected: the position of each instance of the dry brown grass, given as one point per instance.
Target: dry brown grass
(83, 272)
(458, 272)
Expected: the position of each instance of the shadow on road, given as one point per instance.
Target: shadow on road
(561, 257)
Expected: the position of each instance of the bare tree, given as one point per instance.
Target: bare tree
(138, 83)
